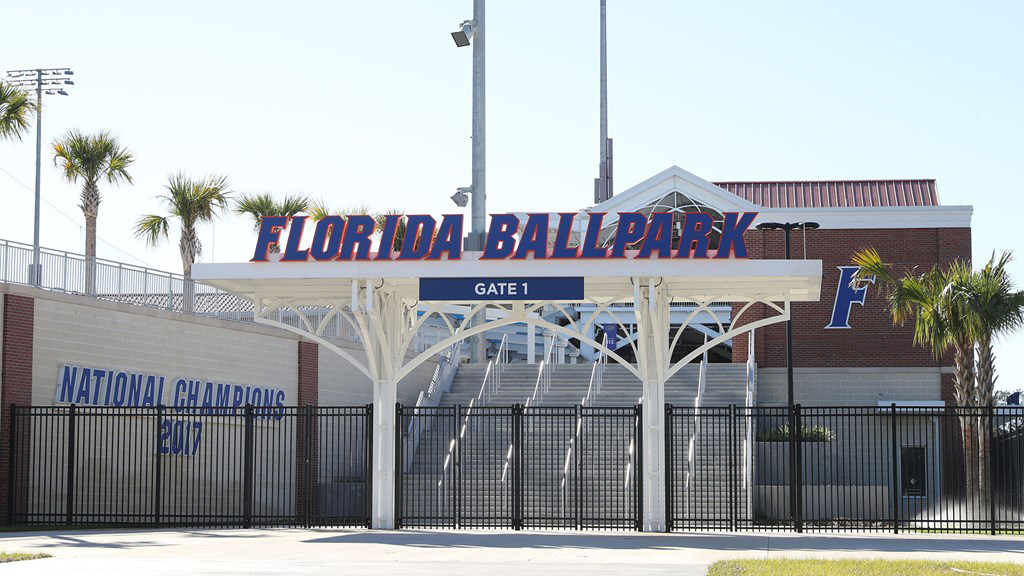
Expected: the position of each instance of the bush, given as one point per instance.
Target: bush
(807, 434)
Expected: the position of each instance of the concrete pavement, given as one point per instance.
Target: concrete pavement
(407, 552)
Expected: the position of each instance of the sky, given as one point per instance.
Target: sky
(369, 103)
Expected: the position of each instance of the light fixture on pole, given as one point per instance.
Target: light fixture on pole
(461, 196)
(795, 464)
(53, 84)
(472, 32)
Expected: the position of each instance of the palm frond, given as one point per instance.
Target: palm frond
(153, 228)
(16, 108)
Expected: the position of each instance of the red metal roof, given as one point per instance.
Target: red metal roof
(838, 194)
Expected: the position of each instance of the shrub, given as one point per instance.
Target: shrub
(807, 434)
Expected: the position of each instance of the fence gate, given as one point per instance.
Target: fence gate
(190, 467)
(515, 467)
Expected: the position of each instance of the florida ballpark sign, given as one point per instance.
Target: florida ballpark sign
(340, 239)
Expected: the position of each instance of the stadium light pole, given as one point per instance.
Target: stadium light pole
(795, 506)
(54, 84)
(471, 32)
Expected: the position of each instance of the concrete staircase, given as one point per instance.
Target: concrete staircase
(600, 481)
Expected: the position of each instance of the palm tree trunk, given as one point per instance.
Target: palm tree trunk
(965, 393)
(189, 248)
(90, 209)
(986, 386)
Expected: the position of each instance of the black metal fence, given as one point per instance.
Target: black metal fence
(210, 466)
(516, 467)
(892, 468)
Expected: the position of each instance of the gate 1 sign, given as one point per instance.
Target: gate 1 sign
(547, 288)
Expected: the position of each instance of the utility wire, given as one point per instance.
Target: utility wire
(73, 221)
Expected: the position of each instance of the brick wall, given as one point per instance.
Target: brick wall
(15, 384)
(838, 386)
(873, 340)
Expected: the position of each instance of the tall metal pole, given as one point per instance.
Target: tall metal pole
(603, 172)
(479, 186)
(789, 343)
(39, 151)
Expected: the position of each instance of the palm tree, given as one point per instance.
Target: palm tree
(396, 244)
(259, 206)
(191, 202)
(940, 322)
(92, 158)
(992, 307)
(16, 108)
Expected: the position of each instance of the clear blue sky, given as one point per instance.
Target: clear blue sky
(368, 102)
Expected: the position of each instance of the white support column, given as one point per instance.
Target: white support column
(387, 360)
(531, 344)
(651, 306)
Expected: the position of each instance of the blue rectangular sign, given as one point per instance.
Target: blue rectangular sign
(547, 288)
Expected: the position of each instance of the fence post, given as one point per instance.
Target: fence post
(638, 479)
(798, 468)
(399, 463)
(456, 464)
(989, 467)
(157, 466)
(12, 448)
(517, 481)
(369, 466)
(733, 449)
(70, 502)
(247, 483)
(669, 489)
(578, 465)
(307, 490)
(895, 472)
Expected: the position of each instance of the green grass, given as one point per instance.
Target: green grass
(787, 567)
(16, 556)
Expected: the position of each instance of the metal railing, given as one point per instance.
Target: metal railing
(476, 498)
(861, 468)
(596, 379)
(440, 383)
(62, 271)
(228, 466)
(702, 379)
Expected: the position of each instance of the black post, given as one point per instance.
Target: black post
(798, 467)
(158, 468)
(456, 463)
(789, 341)
(989, 468)
(307, 490)
(516, 467)
(247, 481)
(70, 503)
(668, 467)
(12, 447)
(733, 449)
(578, 480)
(638, 411)
(368, 469)
(399, 463)
(896, 499)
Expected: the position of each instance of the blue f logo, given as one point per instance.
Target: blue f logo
(847, 294)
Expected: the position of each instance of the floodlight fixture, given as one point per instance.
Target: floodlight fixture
(461, 196)
(464, 34)
(62, 92)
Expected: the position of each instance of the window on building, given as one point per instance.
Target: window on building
(913, 471)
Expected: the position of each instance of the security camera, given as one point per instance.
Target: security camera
(461, 196)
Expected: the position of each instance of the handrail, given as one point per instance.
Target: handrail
(596, 377)
(539, 389)
(702, 376)
(473, 403)
(748, 442)
(629, 452)
(440, 383)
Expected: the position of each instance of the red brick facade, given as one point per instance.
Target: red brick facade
(308, 395)
(872, 340)
(16, 375)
